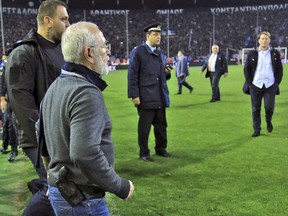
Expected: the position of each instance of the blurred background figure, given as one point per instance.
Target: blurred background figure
(182, 71)
(9, 135)
(216, 66)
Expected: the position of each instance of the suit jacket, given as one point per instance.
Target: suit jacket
(182, 67)
(221, 66)
(251, 65)
(252, 61)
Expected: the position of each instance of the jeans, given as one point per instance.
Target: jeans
(88, 207)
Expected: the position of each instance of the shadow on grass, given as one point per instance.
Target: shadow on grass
(180, 158)
(188, 105)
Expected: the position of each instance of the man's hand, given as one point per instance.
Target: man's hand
(131, 190)
(225, 74)
(136, 101)
(3, 104)
(168, 69)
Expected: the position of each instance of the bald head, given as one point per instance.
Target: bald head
(215, 49)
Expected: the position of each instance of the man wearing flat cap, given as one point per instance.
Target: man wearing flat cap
(147, 75)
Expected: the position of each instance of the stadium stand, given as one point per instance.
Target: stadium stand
(194, 29)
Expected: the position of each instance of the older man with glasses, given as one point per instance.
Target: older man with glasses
(76, 128)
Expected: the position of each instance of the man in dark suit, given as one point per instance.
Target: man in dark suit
(263, 73)
(216, 67)
(182, 72)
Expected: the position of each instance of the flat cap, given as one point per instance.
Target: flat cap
(153, 27)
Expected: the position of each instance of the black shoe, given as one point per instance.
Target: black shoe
(146, 158)
(256, 134)
(212, 101)
(12, 156)
(163, 154)
(3, 151)
(191, 90)
(269, 127)
(217, 99)
(178, 93)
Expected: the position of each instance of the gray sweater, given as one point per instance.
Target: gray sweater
(78, 134)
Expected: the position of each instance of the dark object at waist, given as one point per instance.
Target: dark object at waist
(91, 191)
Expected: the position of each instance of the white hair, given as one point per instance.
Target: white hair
(76, 37)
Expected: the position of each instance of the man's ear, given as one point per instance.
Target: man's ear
(88, 55)
(47, 20)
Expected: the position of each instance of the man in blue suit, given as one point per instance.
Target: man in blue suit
(182, 72)
(216, 67)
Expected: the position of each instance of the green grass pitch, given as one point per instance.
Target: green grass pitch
(216, 169)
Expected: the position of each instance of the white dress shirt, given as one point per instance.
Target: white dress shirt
(264, 72)
(212, 62)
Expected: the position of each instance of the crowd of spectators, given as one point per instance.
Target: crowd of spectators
(196, 29)
(15, 30)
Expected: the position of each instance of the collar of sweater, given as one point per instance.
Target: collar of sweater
(78, 69)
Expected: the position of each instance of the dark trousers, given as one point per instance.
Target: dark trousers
(9, 135)
(214, 81)
(182, 81)
(157, 118)
(269, 102)
(39, 204)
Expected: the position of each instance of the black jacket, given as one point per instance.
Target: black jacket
(27, 80)
(251, 65)
(221, 65)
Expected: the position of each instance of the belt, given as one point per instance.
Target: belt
(91, 192)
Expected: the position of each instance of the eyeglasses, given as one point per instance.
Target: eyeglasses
(106, 46)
